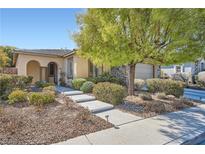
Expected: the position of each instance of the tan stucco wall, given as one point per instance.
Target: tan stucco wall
(33, 69)
(80, 67)
(23, 60)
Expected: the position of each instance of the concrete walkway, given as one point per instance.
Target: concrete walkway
(101, 109)
(171, 128)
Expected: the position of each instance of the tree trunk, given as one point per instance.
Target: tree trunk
(131, 77)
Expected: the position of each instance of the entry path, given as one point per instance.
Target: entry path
(172, 128)
(101, 109)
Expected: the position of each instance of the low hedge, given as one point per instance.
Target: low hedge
(106, 77)
(77, 83)
(41, 98)
(17, 96)
(43, 84)
(50, 89)
(87, 87)
(109, 92)
(10, 82)
(169, 87)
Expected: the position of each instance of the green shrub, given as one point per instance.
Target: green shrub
(106, 77)
(5, 85)
(17, 96)
(169, 87)
(145, 96)
(43, 84)
(50, 89)
(87, 87)
(139, 84)
(92, 79)
(22, 82)
(10, 82)
(41, 98)
(77, 83)
(109, 92)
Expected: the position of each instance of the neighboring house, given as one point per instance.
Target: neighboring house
(188, 68)
(49, 64)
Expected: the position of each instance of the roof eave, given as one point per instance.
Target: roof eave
(69, 54)
(30, 53)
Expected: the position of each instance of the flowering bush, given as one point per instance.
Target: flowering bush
(17, 96)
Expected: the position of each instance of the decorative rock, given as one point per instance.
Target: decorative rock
(201, 76)
(171, 97)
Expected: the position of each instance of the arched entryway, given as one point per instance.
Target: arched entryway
(33, 69)
(52, 72)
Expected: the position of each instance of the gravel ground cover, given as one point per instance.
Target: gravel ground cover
(149, 108)
(26, 124)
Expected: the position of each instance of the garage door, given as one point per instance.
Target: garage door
(144, 71)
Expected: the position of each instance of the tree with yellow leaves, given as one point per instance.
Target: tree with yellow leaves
(3, 58)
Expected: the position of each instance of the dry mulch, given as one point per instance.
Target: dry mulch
(25, 124)
(145, 108)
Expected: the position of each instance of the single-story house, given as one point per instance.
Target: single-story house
(50, 64)
(192, 68)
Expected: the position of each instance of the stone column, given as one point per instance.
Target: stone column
(43, 73)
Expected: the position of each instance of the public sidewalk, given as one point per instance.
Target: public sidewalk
(172, 128)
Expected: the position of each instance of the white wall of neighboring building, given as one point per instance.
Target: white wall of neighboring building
(169, 70)
(187, 68)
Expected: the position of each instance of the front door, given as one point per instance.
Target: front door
(52, 73)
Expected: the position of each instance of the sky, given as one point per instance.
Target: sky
(38, 28)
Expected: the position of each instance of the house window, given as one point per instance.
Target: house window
(51, 69)
(178, 69)
(93, 70)
(90, 69)
(70, 68)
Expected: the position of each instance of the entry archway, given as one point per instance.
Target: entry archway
(33, 69)
(52, 72)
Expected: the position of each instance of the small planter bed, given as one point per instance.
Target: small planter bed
(148, 105)
(21, 123)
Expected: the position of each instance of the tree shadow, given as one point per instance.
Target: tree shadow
(178, 124)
